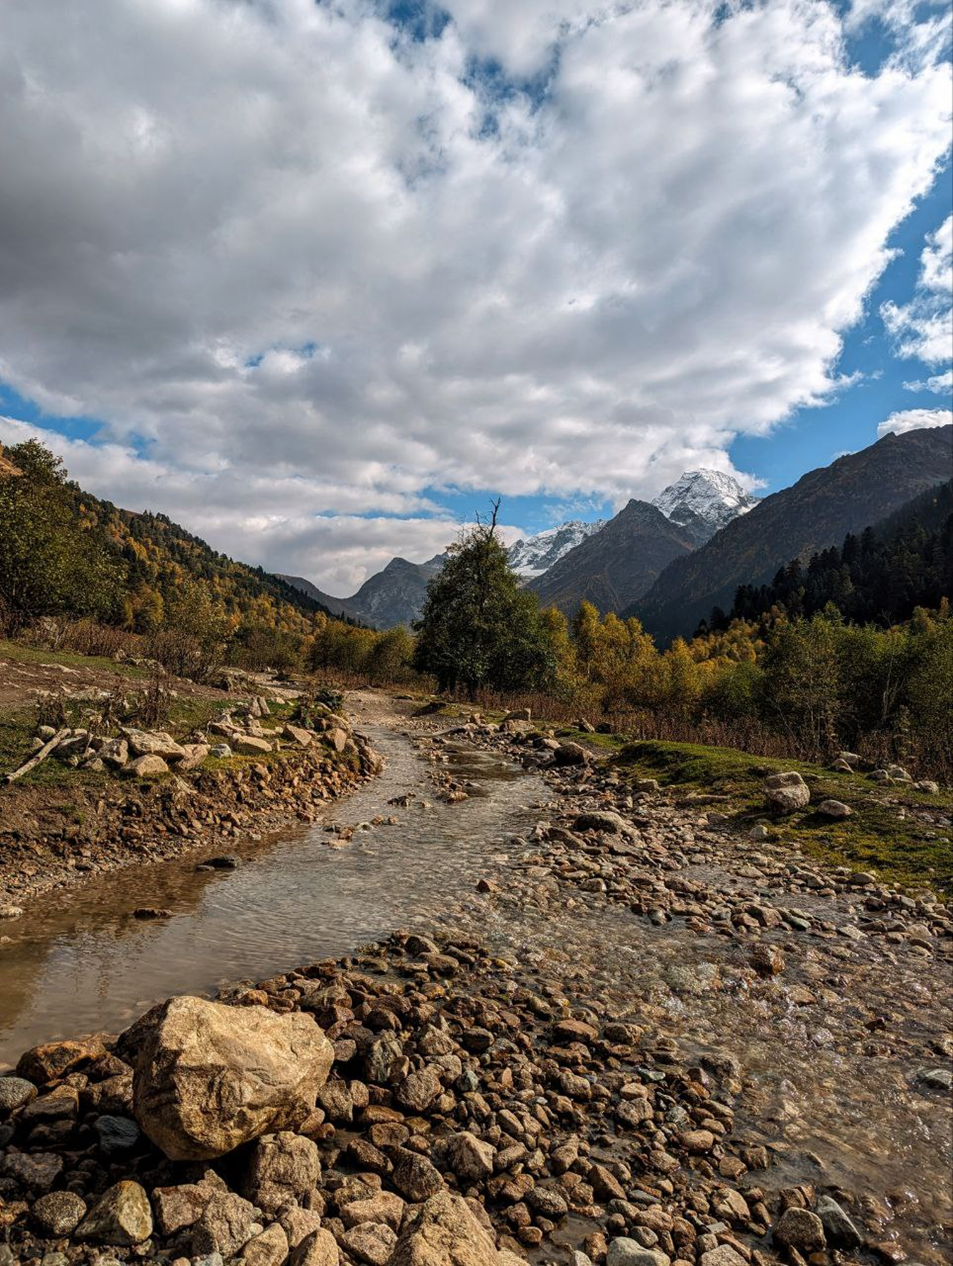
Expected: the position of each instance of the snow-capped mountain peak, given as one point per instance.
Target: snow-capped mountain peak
(535, 554)
(704, 498)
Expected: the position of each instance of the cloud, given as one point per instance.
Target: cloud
(303, 264)
(914, 420)
(924, 327)
(937, 383)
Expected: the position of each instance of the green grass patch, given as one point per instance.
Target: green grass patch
(19, 653)
(892, 831)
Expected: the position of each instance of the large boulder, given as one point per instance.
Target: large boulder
(785, 793)
(209, 1077)
(444, 1232)
(152, 743)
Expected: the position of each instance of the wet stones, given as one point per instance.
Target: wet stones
(800, 1229)
(56, 1059)
(15, 1092)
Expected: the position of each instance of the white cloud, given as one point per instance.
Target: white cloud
(317, 266)
(924, 327)
(914, 420)
(939, 384)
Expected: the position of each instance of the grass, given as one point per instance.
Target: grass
(909, 850)
(22, 654)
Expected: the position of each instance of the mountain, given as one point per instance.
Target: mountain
(536, 554)
(815, 513)
(879, 577)
(396, 594)
(392, 596)
(703, 501)
(614, 566)
(337, 606)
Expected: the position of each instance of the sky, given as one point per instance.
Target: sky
(320, 280)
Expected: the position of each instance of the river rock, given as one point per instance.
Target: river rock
(838, 1228)
(58, 1212)
(786, 792)
(209, 1077)
(602, 820)
(443, 1232)
(626, 1252)
(14, 1093)
(122, 1216)
(317, 1249)
(55, 1059)
(280, 1168)
(32, 1171)
(570, 754)
(800, 1229)
(225, 1226)
(116, 1134)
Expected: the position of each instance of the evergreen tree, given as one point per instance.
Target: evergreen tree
(478, 628)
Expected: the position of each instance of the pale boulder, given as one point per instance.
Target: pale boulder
(209, 1077)
(786, 793)
(444, 1232)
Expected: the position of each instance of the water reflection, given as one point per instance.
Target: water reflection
(79, 961)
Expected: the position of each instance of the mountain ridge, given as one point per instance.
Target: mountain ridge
(812, 514)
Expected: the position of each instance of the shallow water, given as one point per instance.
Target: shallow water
(79, 962)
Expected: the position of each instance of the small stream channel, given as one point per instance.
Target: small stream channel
(79, 962)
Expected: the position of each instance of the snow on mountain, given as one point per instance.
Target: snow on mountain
(705, 500)
(536, 554)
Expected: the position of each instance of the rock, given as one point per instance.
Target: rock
(570, 754)
(195, 755)
(834, 809)
(928, 785)
(626, 1252)
(268, 1249)
(936, 1078)
(415, 1177)
(11, 912)
(122, 1216)
(418, 1090)
(54, 1060)
(767, 960)
(384, 1209)
(249, 745)
(225, 1225)
(145, 767)
(115, 752)
(469, 1157)
(116, 1134)
(697, 1142)
(178, 1207)
(786, 793)
(800, 1229)
(318, 1249)
(280, 1168)
(59, 1212)
(336, 737)
(520, 714)
(145, 913)
(304, 738)
(209, 1077)
(610, 823)
(838, 1228)
(444, 1232)
(723, 1255)
(14, 1093)
(221, 751)
(371, 1242)
(33, 1171)
(153, 743)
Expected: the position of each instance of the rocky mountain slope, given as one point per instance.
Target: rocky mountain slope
(392, 596)
(704, 501)
(818, 511)
(617, 564)
(535, 554)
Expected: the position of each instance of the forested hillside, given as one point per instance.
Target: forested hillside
(879, 577)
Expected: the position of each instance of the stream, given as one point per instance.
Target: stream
(831, 1106)
(80, 962)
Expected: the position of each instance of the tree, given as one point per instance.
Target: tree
(478, 628)
(53, 561)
